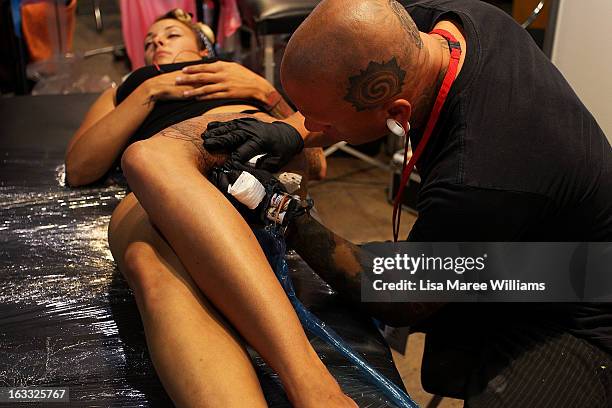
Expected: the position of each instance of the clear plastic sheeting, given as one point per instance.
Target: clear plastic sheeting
(65, 74)
(69, 319)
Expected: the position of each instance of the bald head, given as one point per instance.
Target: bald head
(361, 51)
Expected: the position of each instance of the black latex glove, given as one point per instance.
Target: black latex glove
(222, 177)
(248, 137)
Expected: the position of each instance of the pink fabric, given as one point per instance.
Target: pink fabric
(229, 20)
(138, 15)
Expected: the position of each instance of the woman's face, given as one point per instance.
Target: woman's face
(171, 41)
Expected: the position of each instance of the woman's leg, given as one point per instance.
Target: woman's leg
(223, 257)
(198, 358)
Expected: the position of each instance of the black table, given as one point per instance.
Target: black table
(68, 318)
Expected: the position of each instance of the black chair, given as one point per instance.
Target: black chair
(265, 19)
(268, 18)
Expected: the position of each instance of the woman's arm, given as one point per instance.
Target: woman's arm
(103, 135)
(107, 128)
(223, 79)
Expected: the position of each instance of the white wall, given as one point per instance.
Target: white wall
(582, 50)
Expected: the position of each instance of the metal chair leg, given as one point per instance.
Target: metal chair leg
(114, 49)
(534, 14)
(269, 58)
(356, 153)
(97, 15)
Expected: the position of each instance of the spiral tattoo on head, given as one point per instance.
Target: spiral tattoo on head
(375, 85)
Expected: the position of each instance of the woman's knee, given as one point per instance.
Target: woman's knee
(165, 152)
(128, 223)
(137, 156)
(143, 268)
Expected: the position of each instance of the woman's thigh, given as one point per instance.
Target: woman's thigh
(183, 143)
(129, 225)
(212, 355)
(183, 140)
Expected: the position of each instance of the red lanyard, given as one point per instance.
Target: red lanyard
(449, 78)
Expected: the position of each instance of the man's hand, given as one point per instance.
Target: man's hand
(248, 137)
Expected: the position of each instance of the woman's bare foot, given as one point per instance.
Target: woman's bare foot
(333, 398)
(318, 388)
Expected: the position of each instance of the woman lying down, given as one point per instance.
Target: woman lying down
(195, 267)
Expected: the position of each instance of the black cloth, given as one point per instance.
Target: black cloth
(515, 156)
(166, 113)
(526, 366)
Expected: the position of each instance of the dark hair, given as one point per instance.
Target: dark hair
(204, 34)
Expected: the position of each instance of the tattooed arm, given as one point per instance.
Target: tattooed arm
(343, 265)
(277, 105)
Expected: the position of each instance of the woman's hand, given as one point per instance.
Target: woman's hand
(164, 87)
(222, 79)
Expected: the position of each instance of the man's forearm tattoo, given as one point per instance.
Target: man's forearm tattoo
(330, 256)
(343, 265)
(375, 85)
(277, 106)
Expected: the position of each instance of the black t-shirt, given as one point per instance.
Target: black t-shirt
(515, 155)
(168, 112)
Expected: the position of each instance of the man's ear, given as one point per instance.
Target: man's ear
(400, 110)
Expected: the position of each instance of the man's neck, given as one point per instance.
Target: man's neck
(433, 68)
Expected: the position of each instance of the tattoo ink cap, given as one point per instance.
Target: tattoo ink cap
(395, 128)
(291, 181)
(248, 190)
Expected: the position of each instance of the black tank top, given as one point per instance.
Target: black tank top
(167, 113)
